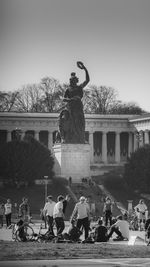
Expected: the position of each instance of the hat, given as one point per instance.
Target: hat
(82, 198)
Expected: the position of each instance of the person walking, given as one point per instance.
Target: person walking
(83, 213)
(48, 213)
(8, 212)
(58, 215)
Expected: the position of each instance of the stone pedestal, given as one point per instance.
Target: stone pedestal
(72, 160)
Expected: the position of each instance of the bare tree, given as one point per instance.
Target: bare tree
(7, 101)
(52, 94)
(99, 99)
(126, 108)
(28, 98)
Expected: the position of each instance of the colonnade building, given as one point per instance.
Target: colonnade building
(112, 138)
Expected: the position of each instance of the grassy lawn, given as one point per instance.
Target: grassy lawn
(33, 250)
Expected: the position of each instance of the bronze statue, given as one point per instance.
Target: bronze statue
(71, 119)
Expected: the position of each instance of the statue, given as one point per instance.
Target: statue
(71, 119)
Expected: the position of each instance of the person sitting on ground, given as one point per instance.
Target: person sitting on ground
(121, 228)
(100, 232)
(21, 231)
(74, 232)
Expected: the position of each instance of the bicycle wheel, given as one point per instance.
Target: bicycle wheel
(24, 233)
(14, 230)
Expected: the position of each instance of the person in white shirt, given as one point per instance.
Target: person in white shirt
(121, 228)
(141, 212)
(83, 213)
(8, 212)
(48, 213)
(58, 215)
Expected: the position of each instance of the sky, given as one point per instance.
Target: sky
(41, 38)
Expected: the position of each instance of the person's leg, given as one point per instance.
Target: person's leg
(9, 219)
(59, 225)
(86, 227)
(6, 216)
(62, 226)
(50, 224)
(110, 218)
(106, 218)
(79, 223)
(114, 230)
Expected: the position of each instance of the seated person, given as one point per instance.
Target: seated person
(74, 233)
(100, 232)
(21, 231)
(121, 228)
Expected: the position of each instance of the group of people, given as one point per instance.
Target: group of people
(102, 231)
(22, 211)
(80, 221)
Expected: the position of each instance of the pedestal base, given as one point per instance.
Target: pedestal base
(72, 160)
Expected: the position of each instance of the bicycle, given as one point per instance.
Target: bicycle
(22, 231)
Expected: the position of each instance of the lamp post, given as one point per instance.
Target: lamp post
(46, 182)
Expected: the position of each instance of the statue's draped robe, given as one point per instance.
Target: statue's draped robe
(72, 120)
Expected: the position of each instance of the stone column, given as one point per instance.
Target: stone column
(36, 135)
(129, 144)
(117, 147)
(9, 136)
(91, 146)
(146, 135)
(135, 141)
(141, 139)
(50, 140)
(104, 147)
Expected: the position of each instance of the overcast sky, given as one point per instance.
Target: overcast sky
(41, 38)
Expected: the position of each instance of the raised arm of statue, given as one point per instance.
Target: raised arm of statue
(87, 77)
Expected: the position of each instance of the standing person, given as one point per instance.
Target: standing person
(83, 213)
(24, 209)
(48, 213)
(58, 215)
(142, 212)
(2, 212)
(8, 212)
(108, 211)
(65, 203)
